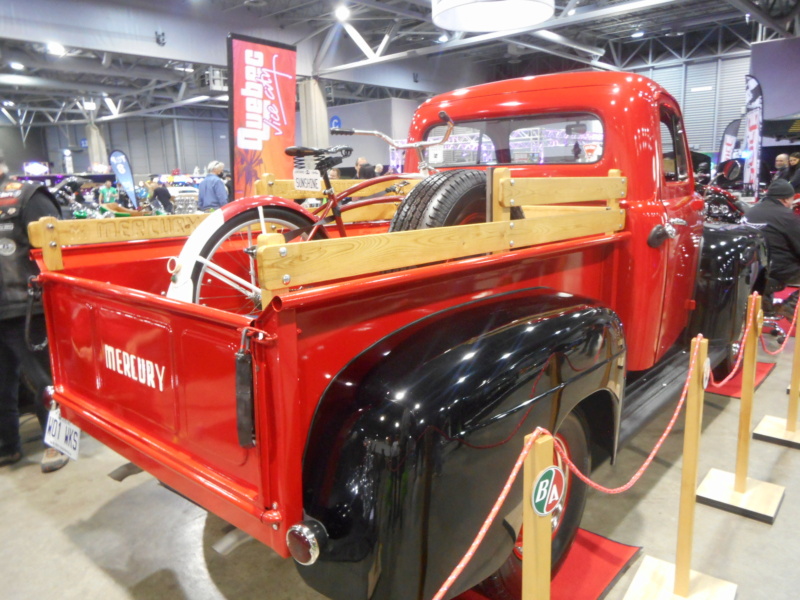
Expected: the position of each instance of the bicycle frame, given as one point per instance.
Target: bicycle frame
(334, 205)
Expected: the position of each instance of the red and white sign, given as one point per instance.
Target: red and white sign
(728, 145)
(262, 106)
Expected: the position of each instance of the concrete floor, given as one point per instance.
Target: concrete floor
(78, 534)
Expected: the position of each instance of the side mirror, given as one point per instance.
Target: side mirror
(730, 169)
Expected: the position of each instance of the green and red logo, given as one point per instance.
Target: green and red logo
(547, 491)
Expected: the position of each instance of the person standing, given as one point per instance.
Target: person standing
(108, 193)
(793, 171)
(212, 191)
(162, 196)
(781, 166)
(22, 203)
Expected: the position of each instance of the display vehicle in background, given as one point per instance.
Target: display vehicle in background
(352, 386)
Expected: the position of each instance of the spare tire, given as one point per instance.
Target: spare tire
(455, 197)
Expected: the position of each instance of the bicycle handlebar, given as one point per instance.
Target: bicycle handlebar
(442, 115)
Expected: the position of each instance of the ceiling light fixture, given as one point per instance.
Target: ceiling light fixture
(342, 13)
(17, 66)
(444, 38)
(56, 49)
(8, 103)
(637, 34)
(89, 104)
(490, 15)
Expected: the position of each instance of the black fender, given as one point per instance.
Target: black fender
(413, 440)
(732, 264)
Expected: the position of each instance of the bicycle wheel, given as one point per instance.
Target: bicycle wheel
(225, 274)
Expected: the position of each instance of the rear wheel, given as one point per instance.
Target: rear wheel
(225, 275)
(506, 583)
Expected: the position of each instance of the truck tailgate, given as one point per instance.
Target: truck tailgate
(154, 379)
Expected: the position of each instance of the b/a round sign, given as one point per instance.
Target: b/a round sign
(547, 491)
(335, 122)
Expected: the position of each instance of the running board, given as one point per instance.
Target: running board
(656, 390)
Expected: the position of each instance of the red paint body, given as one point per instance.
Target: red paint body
(185, 433)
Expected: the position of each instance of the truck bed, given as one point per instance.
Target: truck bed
(155, 379)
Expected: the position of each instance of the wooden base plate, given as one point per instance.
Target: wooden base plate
(655, 580)
(760, 501)
(773, 429)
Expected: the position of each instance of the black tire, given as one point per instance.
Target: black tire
(238, 233)
(506, 582)
(448, 198)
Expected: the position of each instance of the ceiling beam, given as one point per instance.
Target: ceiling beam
(14, 80)
(590, 14)
(579, 59)
(759, 16)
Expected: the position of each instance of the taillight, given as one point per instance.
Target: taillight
(47, 396)
(305, 541)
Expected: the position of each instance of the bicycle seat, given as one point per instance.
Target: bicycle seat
(304, 151)
(308, 151)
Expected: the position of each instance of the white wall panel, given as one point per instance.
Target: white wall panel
(670, 78)
(731, 94)
(711, 95)
(699, 105)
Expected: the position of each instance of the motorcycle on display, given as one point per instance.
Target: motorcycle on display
(74, 205)
(722, 206)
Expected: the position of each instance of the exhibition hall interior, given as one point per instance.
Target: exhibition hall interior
(399, 299)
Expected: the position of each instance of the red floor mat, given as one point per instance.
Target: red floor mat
(591, 567)
(734, 387)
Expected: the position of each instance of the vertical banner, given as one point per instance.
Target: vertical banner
(752, 139)
(261, 93)
(728, 143)
(122, 169)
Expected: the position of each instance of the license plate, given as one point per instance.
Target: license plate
(62, 435)
(307, 180)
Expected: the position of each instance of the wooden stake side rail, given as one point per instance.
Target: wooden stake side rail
(282, 265)
(51, 234)
(509, 191)
(284, 188)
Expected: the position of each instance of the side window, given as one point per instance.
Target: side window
(673, 149)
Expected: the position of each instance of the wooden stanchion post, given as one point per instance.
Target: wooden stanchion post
(794, 390)
(755, 317)
(736, 492)
(656, 578)
(691, 451)
(538, 530)
(776, 430)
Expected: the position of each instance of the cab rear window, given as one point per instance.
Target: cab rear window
(539, 139)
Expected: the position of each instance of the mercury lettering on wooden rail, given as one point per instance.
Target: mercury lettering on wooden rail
(108, 230)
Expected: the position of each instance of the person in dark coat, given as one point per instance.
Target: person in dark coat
(21, 203)
(793, 171)
(782, 232)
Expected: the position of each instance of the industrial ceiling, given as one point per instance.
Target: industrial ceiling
(40, 86)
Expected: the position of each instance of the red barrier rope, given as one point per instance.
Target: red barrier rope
(740, 355)
(571, 466)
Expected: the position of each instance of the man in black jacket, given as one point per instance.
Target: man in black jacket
(20, 204)
(782, 230)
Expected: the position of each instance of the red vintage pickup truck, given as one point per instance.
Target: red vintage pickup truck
(353, 391)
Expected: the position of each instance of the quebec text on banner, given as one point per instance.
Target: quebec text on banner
(262, 110)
